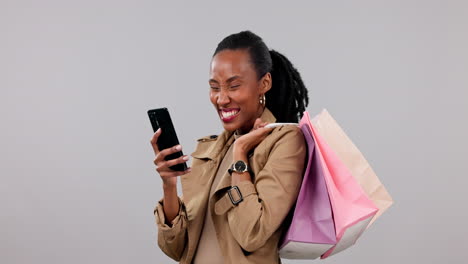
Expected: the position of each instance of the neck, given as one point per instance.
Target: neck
(241, 131)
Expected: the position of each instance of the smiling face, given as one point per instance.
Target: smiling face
(235, 90)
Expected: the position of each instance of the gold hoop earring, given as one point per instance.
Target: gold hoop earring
(263, 100)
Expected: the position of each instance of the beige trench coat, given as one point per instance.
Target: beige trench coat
(250, 231)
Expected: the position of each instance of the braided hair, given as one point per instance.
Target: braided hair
(288, 97)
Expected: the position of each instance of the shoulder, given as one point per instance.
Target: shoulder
(206, 146)
(286, 132)
(285, 139)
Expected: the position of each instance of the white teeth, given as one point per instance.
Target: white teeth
(229, 114)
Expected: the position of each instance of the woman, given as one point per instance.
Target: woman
(242, 183)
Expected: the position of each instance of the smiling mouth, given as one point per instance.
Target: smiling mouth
(229, 114)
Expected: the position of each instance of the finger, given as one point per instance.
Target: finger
(164, 165)
(257, 123)
(263, 124)
(165, 152)
(154, 141)
(169, 174)
(263, 131)
(179, 160)
(268, 129)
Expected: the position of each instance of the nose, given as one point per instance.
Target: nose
(223, 98)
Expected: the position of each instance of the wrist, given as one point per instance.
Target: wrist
(169, 186)
(239, 148)
(236, 178)
(239, 153)
(239, 156)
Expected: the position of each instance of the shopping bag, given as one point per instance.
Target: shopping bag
(352, 209)
(350, 155)
(311, 231)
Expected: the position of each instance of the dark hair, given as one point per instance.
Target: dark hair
(288, 97)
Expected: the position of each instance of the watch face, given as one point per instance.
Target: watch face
(240, 166)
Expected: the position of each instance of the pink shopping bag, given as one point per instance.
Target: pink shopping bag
(311, 231)
(354, 160)
(352, 208)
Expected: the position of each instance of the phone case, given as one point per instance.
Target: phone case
(160, 118)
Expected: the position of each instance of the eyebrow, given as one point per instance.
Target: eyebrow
(228, 80)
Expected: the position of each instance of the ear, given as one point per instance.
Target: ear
(265, 83)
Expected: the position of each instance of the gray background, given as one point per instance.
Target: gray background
(77, 180)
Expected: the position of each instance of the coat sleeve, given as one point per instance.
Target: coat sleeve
(267, 202)
(172, 239)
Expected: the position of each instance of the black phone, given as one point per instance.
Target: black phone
(160, 118)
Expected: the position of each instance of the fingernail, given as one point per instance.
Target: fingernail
(185, 158)
(159, 129)
(178, 147)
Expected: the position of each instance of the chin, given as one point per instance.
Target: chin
(230, 127)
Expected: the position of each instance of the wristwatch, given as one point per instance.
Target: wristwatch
(239, 166)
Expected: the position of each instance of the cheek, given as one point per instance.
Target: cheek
(250, 99)
(212, 97)
(251, 91)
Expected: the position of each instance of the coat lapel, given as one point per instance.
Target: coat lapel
(204, 167)
(195, 185)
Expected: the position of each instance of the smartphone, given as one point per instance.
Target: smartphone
(160, 118)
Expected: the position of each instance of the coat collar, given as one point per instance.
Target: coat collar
(209, 149)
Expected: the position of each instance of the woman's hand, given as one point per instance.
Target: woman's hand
(168, 176)
(247, 142)
(244, 144)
